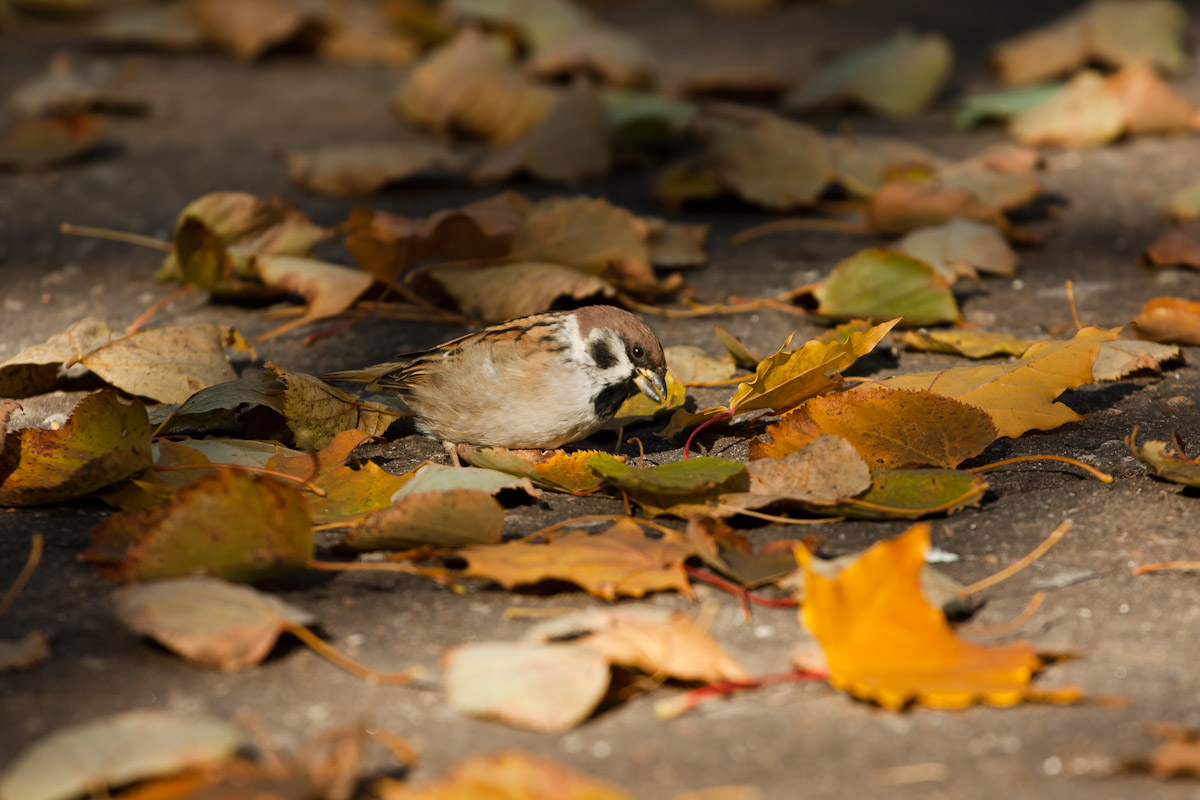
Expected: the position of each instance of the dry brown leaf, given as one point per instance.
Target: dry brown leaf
(890, 428)
(1020, 396)
(329, 289)
(961, 247)
(45, 142)
(345, 170)
(901, 206)
(512, 774)
(618, 561)
(472, 84)
(823, 471)
(864, 163)
(1149, 104)
(885, 643)
(1178, 247)
(248, 28)
(1126, 356)
(1169, 319)
(207, 620)
(1084, 113)
(495, 294)
(455, 518)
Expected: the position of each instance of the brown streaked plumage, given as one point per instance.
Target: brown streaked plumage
(535, 382)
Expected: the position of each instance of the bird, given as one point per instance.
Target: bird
(536, 382)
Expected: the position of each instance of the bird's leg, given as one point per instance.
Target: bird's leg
(452, 452)
(620, 440)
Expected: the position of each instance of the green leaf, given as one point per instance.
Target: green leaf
(1001, 106)
(453, 518)
(882, 284)
(911, 493)
(662, 489)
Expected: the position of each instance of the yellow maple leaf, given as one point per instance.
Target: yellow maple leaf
(885, 643)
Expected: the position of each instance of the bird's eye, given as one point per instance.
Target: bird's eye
(638, 352)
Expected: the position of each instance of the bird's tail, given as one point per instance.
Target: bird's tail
(366, 375)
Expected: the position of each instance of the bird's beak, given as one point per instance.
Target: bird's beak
(651, 384)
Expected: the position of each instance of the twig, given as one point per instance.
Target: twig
(305, 483)
(775, 517)
(1014, 624)
(158, 306)
(739, 591)
(1164, 566)
(111, 235)
(350, 665)
(1103, 477)
(669, 709)
(1071, 304)
(36, 546)
(1020, 563)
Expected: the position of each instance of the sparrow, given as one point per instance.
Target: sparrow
(531, 383)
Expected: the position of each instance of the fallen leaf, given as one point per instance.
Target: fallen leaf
(590, 235)
(966, 343)
(165, 364)
(166, 27)
(535, 22)
(1116, 32)
(1178, 247)
(656, 641)
(890, 428)
(569, 143)
(112, 751)
(863, 164)
(63, 92)
(961, 247)
(1166, 459)
(675, 244)
(789, 377)
(1178, 756)
(911, 493)
(885, 643)
(823, 471)
(692, 365)
(218, 234)
(449, 518)
(1002, 106)
(594, 48)
(1084, 113)
(105, 439)
(549, 688)
(763, 158)
(362, 33)
(46, 142)
(471, 83)
(509, 291)
(897, 77)
(248, 28)
(386, 245)
(511, 774)
(439, 478)
(619, 561)
(1169, 319)
(1126, 356)
(1019, 396)
(24, 653)
(640, 408)
(345, 170)
(1149, 104)
(230, 524)
(207, 620)
(316, 412)
(640, 121)
(328, 289)
(733, 555)
(1185, 202)
(900, 206)
(879, 284)
(556, 470)
(675, 487)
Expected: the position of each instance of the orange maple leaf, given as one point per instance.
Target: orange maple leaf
(885, 643)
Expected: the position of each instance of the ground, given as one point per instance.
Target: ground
(219, 125)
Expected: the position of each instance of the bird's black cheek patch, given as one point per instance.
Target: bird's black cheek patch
(611, 397)
(602, 354)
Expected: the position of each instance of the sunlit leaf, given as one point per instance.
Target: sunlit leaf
(865, 163)
(316, 412)
(900, 206)
(248, 28)
(692, 365)
(789, 377)
(823, 471)
(439, 478)
(911, 493)
(1166, 459)
(1003, 106)
(1169, 319)
(890, 428)
(1126, 356)
(451, 518)
(329, 289)
(1149, 104)
(620, 561)
(230, 524)
(1019, 396)
(1084, 113)
(556, 470)
(207, 620)
(961, 247)
(640, 408)
(1179, 246)
(883, 284)
(511, 774)
(966, 343)
(885, 643)
(669, 488)
(897, 77)
(109, 752)
(105, 439)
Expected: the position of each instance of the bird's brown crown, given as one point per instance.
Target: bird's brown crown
(630, 327)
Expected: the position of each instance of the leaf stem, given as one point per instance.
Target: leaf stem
(858, 227)
(740, 592)
(1020, 563)
(339, 659)
(673, 707)
(1014, 624)
(687, 446)
(36, 545)
(125, 237)
(775, 517)
(1103, 477)
(158, 306)
(1164, 566)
